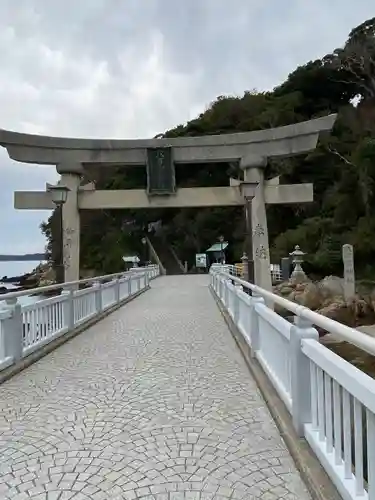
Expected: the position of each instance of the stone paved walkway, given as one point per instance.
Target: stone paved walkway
(154, 402)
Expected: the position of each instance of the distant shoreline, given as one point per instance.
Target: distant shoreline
(27, 257)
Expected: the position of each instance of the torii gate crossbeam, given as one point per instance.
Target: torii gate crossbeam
(73, 157)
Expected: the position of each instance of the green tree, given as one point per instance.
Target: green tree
(356, 60)
(341, 169)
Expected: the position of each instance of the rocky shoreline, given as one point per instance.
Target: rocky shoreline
(326, 297)
(42, 275)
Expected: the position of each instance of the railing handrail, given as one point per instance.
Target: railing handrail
(361, 386)
(352, 335)
(25, 329)
(331, 402)
(69, 284)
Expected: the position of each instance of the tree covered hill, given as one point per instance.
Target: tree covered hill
(342, 169)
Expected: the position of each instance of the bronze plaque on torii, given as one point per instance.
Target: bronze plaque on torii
(161, 178)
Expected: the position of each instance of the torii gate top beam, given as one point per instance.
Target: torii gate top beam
(277, 142)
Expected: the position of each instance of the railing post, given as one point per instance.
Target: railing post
(147, 279)
(236, 305)
(211, 277)
(68, 308)
(254, 323)
(226, 293)
(98, 297)
(129, 286)
(13, 330)
(117, 290)
(221, 288)
(300, 373)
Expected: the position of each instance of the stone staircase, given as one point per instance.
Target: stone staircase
(166, 255)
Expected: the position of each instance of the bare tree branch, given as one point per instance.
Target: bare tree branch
(336, 153)
(357, 59)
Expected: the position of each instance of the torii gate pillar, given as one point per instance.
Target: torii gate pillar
(71, 174)
(255, 191)
(256, 220)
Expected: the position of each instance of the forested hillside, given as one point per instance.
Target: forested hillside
(342, 169)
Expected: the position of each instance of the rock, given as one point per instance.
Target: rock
(339, 311)
(292, 296)
(299, 278)
(284, 289)
(300, 287)
(371, 299)
(361, 307)
(331, 339)
(327, 298)
(359, 362)
(49, 275)
(42, 275)
(332, 286)
(310, 297)
(327, 301)
(46, 282)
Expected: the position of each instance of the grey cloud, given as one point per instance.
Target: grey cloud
(134, 68)
(20, 229)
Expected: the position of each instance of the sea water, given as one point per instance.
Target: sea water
(11, 269)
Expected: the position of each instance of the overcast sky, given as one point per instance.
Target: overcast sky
(134, 68)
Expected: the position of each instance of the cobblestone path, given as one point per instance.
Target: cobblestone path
(154, 402)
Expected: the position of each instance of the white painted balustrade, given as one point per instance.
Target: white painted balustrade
(25, 329)
(275, 270)
(331, 402)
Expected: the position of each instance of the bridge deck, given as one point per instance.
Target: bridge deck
(153, 402)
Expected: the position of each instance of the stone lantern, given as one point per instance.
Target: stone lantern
(298, 275)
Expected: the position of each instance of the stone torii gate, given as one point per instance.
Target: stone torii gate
(74, 157)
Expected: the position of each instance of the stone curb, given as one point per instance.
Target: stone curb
(23, 363)
(314, 476)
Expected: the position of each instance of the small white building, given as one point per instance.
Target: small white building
(131, 261)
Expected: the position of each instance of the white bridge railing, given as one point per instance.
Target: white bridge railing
(26, 328)
(275, 270)
(332, 403)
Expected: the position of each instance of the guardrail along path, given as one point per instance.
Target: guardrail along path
(155, 401)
